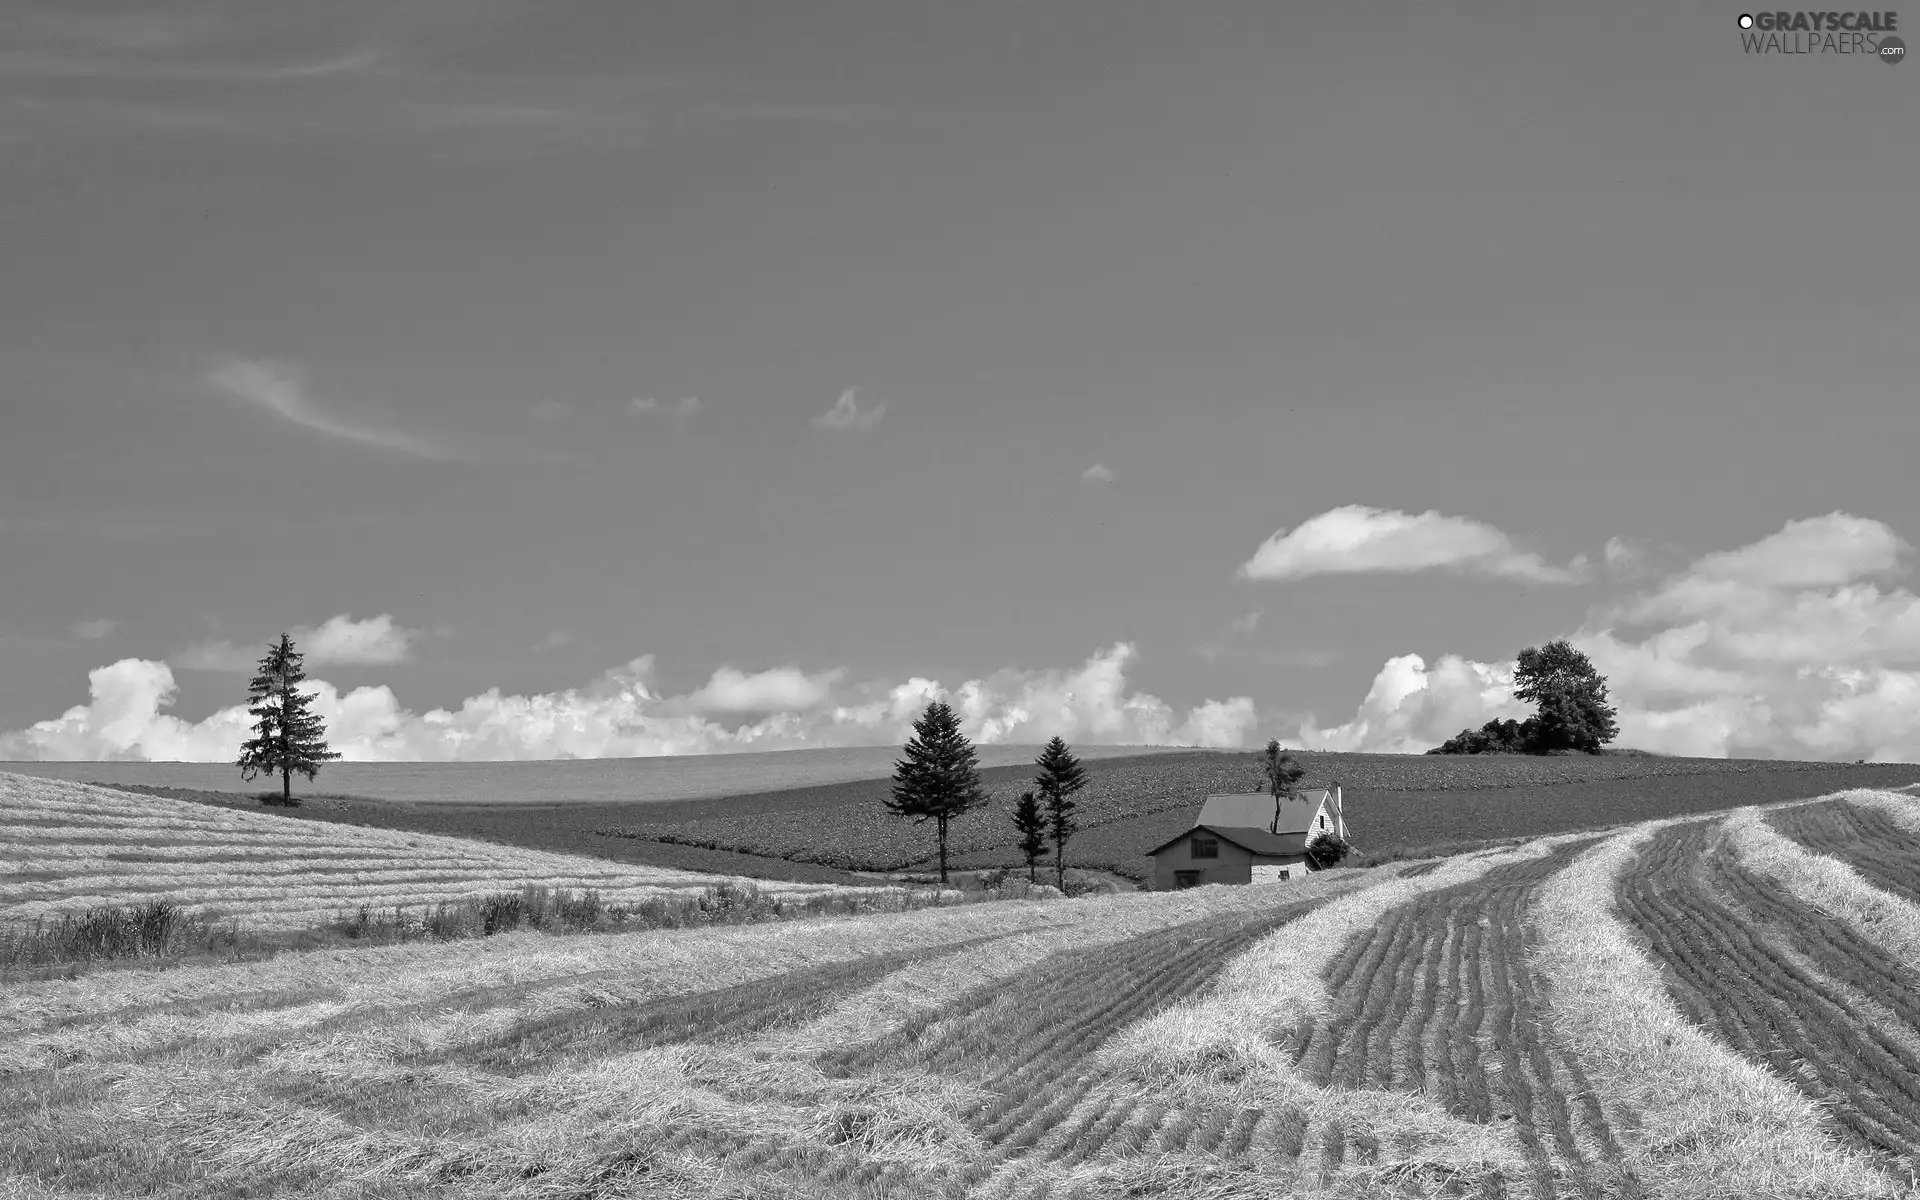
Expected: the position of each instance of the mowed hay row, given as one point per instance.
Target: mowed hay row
(1697, 1117)
(1877, 833)
(408, 1111)
(1782, 983)
(70, 847)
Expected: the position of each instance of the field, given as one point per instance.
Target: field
(553, 782)
(66, 848)
(1694, 1007)
(1395, 805)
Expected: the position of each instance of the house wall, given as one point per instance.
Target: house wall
(1235, 864)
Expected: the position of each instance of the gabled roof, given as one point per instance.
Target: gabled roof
(1256, 810)
(1256, 841)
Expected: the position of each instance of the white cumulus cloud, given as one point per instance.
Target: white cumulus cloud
(623, 714)
(339, 640)
(846, 414)
(1099, 473)
(1797, 645)
(1356, 539)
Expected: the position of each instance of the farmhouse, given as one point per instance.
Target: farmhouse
(1253, 838)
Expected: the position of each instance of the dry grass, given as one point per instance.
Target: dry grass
(1713, 1124)
(1107, 1046)
(1829, 885)
(69, 847)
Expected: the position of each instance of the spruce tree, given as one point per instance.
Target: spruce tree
(937, 777)
(287, 735)
(1061, 775)
(1031, 824)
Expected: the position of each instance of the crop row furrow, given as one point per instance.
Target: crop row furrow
(1748, 986)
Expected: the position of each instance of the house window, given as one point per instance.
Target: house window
(1186, 879)
(1285, 874)
(1206, 847)
(1323, 820)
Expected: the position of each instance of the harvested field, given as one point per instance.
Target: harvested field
(67, 848)
(1699, 1007)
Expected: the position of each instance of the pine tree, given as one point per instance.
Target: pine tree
(938, 777)
(287, 736)
(1061, 775)
(1031, 824)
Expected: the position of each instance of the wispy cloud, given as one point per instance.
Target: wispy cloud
(551, 410)
(556, 640)
(685, 407)
(1355, 539)
(339, 640)
(278, 389)
(846, 414)
(1099, 473)
(93, 631)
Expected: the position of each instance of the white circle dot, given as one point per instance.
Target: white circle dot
(1746, 22)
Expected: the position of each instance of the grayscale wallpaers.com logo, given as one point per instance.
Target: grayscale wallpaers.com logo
(1869, 34)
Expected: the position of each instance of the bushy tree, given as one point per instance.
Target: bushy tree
(287, 735)
(1061, 775)
(1571, 710)
(1326, 850)
(1283, 771)
(1571, 696)
(1031, 824)
(937, 777)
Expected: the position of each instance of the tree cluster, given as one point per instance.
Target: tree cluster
(937, 779)
(1571, 713)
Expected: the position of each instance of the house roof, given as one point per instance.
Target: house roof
(1256, 841)
(1259, 811)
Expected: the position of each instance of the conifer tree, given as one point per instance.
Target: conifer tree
(937, 777)
(1031, 824)
(1061, 775)
(287, 735)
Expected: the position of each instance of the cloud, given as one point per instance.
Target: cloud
(781, 689)
(623, 714)
(685, 407)
(93, 631)
(845, 414)
(1795, 646)
(551, 410)
(1411, 709)
(278, 389)
(338, 641)
(1099, 473)
(1358, 539)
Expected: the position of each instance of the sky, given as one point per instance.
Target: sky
(603, 379)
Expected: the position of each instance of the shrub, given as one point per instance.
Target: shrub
(1327, 850)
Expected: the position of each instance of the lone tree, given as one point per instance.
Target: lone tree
(1571, 709)
(1031, 824)
(1061, 775)
(937, 777)
(1571, 696)
(1282, 769)
(287, 736)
